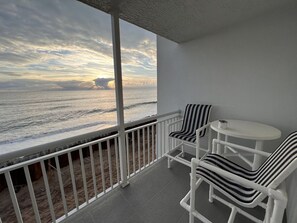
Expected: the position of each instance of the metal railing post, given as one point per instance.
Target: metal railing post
(158, 133)
(119, 95)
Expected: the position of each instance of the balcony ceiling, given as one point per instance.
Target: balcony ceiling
(185, 20)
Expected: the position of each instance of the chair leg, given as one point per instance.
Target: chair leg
(276, 207)
(183, 152)
(225, 147)
(168, 163)
(278, 211)
(193, 191)
(232, 215)
(268, 210)
(210, 194)
(169, 149)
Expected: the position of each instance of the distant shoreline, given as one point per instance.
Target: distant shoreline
(34, 116)
(58, 141)
(67, 90)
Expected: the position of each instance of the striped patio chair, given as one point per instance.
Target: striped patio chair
(196, 117)
(245, 187)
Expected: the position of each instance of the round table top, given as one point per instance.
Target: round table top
(247, 130)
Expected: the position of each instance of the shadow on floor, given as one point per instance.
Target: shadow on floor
(153, 197)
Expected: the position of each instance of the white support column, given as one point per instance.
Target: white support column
(119, 94)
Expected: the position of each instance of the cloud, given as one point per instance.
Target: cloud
(43, 85)
(136, 82)
(10, 74)
(74, 85)
(27, 84)
(96, 84)
(57, 40)
(102, 83)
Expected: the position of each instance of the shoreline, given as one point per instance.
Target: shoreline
(36, 146)
(59, 141)
(6, 210)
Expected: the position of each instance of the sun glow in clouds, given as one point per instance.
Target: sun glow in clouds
(66, 45)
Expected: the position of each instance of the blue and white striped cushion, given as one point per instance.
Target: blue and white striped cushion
(195, 116)
(271, 173)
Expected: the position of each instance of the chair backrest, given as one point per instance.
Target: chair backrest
(195, 116)
(280, 164)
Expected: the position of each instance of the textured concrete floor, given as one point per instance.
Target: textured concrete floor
(153, 197)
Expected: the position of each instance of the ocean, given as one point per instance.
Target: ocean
(32, 115)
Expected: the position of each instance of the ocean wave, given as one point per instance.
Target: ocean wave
(60, 117)
(59, 107)
(55, 132)
(125, 107)
(41, 102)
(140, 104)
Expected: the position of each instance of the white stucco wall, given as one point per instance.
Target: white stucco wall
(248, 72)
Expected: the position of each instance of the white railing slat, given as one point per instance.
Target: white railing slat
(163, 137)
(73, 180)
(109, 164)
(128, 158)
(32, 194)
(148, 145)
(48, 192)
(83, 171)
(61, 185)
(93, 171)
(117, 159)
(133, 151)
(143, 146)
(153, 142)
(102, 167)
(13, 197)
(157, 141)
(138, 148)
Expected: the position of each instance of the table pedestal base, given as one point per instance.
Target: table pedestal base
(257, 158)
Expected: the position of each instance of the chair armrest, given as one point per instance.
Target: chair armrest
(239, 147)
(266, 190)
(198, 139)
(201, 129)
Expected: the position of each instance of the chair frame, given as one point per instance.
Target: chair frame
(179, 156)
(277, 198)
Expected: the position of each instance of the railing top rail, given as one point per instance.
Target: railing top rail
(165, 117)
(16, 153)
(150, 124)
(140, 127)
(54, 154)
(151, 118)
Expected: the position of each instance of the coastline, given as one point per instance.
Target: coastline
(51, 142)
(6, 209)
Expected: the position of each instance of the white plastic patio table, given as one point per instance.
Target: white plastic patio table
(248, 130)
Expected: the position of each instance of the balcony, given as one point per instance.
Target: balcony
(241, 58)
(54, 186)
(82, 183)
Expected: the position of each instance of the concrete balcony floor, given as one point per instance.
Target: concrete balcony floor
(153, 196)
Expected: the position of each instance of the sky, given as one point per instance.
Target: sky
(67, 45)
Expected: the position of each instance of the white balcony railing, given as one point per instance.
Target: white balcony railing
(72, 178)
